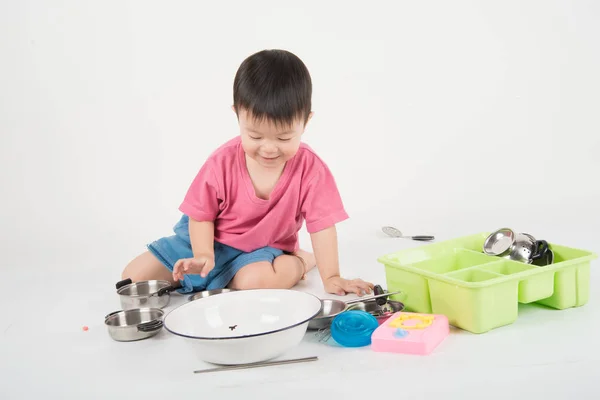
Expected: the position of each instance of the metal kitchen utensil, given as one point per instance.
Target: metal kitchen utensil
(393, 232)
(545, 260)
(257, 365)
(521, 247)
(362, 299)
(377, 290)
(499, 243)
(527, 249)
(144, 294)
(134, 324)
(330, 308)
(379, 311)
(323, 335)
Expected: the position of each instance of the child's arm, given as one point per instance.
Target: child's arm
(201, 205)
(202, 235)
(325, 247)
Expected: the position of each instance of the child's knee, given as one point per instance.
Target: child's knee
(146, 267)
(132, 271)
(253, 276)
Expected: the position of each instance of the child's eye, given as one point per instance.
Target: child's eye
(252, 137)
(285, 140)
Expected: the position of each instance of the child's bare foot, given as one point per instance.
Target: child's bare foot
(309, 261)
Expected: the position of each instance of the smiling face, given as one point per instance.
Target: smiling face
(271, 146)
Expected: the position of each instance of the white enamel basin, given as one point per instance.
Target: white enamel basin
(245, 326)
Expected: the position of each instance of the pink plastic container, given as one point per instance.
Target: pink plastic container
(410, 333)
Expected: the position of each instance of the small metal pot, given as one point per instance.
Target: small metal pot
(206, 293)
(144, 294)
(135, 324)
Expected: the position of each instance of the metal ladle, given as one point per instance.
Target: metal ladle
(393, 232)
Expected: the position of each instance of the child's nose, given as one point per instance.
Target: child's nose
(269, 148)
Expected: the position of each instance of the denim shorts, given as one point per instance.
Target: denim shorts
(228, 260)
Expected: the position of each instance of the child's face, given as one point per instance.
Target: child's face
(270, 146)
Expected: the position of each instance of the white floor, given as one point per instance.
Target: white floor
(45, 353)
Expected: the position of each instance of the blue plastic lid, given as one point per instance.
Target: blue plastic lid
(353, 328)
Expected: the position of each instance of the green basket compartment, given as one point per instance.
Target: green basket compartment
(478, 292)
(454, 260)
(475, 309)
(533, 285)
(473, 275)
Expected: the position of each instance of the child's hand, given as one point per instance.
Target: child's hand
(341, 286)
(201, 265)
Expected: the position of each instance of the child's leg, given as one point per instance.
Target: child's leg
(284, 273)
(309, 260)
(147, 267)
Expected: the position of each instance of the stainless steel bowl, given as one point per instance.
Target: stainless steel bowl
(134, 324)
(144, 294)
(500, 242)
(329, 310)
(380, 312)
(207, 293)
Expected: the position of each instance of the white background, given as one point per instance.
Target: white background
(445, 118)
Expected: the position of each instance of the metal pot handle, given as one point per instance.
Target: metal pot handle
(150, 326)
(166, 290)
(111, 314)
(122, 283)
(424, 238)
(541, 248)
(379, 290)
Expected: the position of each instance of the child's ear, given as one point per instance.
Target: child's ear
(308, 119)
(235, 112)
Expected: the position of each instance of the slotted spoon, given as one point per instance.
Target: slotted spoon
(393, 232)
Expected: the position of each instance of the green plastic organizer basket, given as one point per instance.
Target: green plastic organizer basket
(478, 292)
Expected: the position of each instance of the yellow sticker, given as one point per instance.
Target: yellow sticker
(399, 322)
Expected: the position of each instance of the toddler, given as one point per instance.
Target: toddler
(243, 210)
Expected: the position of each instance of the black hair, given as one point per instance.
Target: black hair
(273, 85)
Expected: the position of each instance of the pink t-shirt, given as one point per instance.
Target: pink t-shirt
(222, 192)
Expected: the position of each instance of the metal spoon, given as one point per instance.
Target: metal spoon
(393, 232)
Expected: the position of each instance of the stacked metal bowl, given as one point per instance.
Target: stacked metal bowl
(522, 247)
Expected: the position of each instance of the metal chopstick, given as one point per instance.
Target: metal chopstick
(257, 365)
